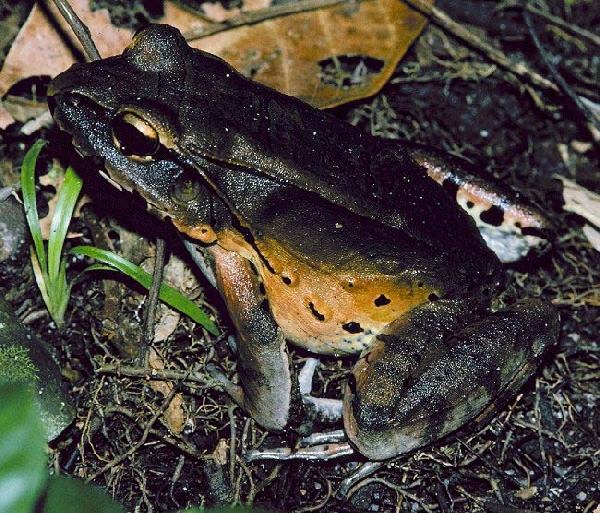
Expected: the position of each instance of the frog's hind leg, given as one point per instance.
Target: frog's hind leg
(434, 369)
(511, 227)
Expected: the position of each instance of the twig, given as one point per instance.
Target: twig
(253, 17)
(152, 302)
(140, 442)
(79, 28)
(519, 68)
(134, 416)
(156, 374)
(562, 83)
(574, 29)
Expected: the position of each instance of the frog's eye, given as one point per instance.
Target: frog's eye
(134, 135)
(185, 189)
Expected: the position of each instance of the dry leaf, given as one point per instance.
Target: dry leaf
(39, 49)
(23, 109)
(592, 235)
(326, 57)
(174, 416)
(527, 493)
(581, 201)
(174, 273)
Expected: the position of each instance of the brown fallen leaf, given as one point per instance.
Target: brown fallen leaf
(581, 201)
(325, 57)
(526, 493)
(40, 49)
(592, 235)
(585, 203)
(174, 416)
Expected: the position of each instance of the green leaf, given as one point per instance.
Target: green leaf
(40, 277)
(50, 267)
(30, 202)
(167, 294)
(63, 212)
(67, 495)
(22, 450)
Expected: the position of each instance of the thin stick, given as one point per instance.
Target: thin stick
(152, 302)
(79, 28)
(565, 87)
(519, 68)
(140, 443)
(569, 27)
(253, 17)
(158, 374)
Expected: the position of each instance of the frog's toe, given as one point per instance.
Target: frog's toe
(321, 408)
(387, 413)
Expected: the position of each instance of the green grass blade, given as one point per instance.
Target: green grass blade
(167, 294)
(30, 203)
(40, 278)
(67, 197)
(63, 291)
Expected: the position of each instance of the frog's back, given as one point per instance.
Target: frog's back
(295, 144)
(245, 123)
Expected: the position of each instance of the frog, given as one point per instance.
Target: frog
(318, 235)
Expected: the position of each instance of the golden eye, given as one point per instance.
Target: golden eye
(134, 135)
(185, 189)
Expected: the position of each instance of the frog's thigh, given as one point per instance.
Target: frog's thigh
(263, 360)
(510, 227)
(402, 398)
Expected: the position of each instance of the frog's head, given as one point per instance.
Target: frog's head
(125, 110)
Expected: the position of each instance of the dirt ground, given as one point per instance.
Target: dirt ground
(540, 453)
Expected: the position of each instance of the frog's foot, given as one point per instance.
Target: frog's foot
(318, 446)
(404, 395)
(510, 227)
(325, 409)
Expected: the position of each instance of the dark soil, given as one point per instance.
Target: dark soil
(540, 453)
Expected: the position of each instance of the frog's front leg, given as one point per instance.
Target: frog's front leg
(268, 391)
(425, 376)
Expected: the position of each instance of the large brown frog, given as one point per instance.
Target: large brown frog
(316, 234)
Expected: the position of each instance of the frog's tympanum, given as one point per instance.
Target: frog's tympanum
(319, 235)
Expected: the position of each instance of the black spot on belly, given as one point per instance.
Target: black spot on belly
(433, 297)
(261, 287)
(382, 300)
(317, 315)
(493, 216)
(352, 327)
(470, 204)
